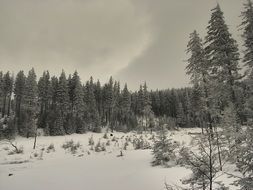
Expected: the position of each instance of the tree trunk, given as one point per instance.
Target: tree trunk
(35, 139)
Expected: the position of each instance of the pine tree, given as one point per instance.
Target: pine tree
(62, 106)
(108, 101)
(78, 105)
(222, 54)
(7, 91)
(247, 24)
(92, 115)
(181, 121)
(125, 105)
(99, 97)
(30, 104)
(163, 149)
(147, 111)
(198, 68)
(19, 90)
(116, 106)
(140, 101)
(45, 97)
(1, 92)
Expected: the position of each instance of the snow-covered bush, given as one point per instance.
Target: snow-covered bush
(163, 149)
(71, 146)
(108, 143)
(141, 143)
(91, 141)
(51, 148)
(114, 139)
(17, 150)
(100, 147)
(125, 145)
(105, 136)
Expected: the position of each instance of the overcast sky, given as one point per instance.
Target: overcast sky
(132, 40)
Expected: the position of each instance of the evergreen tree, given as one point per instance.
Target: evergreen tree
(116, 106)
(7, 91)
(108, 101)
(163, 149)
(147, 111)
(247, 24)
(78, 105)
(1, 92)
(125, 105)
(92, 115)
(99, 97)
(62, 106)
(222, 54)
(19, 90)
(198, 68)
(30, 104)
(45, 97)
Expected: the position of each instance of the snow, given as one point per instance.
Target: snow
(86, 169)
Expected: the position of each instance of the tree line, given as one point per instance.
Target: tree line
(64, 105)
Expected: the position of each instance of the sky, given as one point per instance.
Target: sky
(132, 40)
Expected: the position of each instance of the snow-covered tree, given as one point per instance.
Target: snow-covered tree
(203, 162)
(247, 24)
(163, 149)
(92, 116)
(19, 90)
(222, 53)
(245, 161)
(30, 107)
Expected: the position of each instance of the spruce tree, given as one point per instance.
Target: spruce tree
(30, 104)
(108, 101)
(247, 24)
(222, 54)
(147, 111)
(19, 90)
(45, 97)
(125, 105)
(1, 92)
(78, 105)
(99, 97)
(7, 91)
(163, 149)
(92, 116)
(62, 106)
(198, 69)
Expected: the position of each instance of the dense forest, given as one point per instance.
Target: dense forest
(63, 105)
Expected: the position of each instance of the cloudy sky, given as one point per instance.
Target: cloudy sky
(132, 40)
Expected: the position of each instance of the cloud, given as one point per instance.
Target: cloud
(162, 64)
(95, 37)
(132, 40)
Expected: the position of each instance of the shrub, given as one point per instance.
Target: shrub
(50, 148)
(19, 150)
(91, 141)
(140, 143)
(105, 136)
(108, 143)
(71, 146)
(100, 147)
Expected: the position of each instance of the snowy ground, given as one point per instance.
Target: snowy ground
(86, 169)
